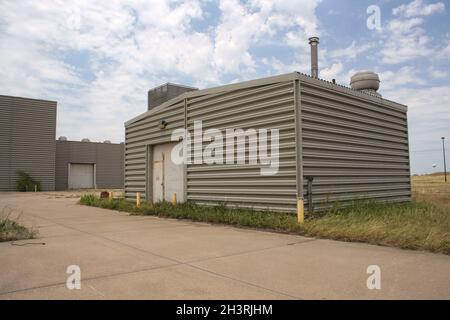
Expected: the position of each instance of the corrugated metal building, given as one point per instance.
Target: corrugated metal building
(27, 141)
(350, 144)
(88, 165)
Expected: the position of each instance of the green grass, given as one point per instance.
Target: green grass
(11, 230)
(417, 225)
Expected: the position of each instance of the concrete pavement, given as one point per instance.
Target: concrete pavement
(135, 257)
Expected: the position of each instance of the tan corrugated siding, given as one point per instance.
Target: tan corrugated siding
(354, 146)
(271, 107)
(144, 132)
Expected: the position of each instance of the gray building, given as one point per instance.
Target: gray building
(335, 144)
(27, 141)
(81, 165)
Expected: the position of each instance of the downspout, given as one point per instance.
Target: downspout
(298, 151)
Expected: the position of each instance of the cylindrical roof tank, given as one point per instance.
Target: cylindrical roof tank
(365, 80)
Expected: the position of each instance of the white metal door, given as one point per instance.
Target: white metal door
(81, 176)
(168, 177)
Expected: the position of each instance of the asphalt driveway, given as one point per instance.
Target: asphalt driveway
(135, 257)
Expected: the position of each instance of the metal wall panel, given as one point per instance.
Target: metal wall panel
(140, 134)
(355, 146)
(268, 106)
(108, 158)
(265, 103)
(27, 141)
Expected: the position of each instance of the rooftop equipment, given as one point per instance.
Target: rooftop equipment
(366, 81)
(314, 42)
(165, 92)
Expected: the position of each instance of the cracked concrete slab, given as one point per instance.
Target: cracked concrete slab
(136, 257)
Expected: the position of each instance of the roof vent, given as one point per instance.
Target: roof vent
(107, 141)
(62, 138)
(366, 81)
(85, 140)
(314, 42)
(165, 92)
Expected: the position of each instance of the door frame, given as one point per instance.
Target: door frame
(68, 173)
(149, 171)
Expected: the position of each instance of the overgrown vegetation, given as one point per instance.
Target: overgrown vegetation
(11, 230)
(26, 183)
(420, 224)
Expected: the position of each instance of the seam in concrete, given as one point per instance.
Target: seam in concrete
(251, 251)
(176, 262)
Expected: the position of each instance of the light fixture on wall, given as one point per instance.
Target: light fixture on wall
(162, 124)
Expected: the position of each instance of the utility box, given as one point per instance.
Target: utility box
(165, 92)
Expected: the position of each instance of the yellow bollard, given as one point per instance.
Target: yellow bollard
(300, 211)
(110, 196)
(174, 199)
(138, 199)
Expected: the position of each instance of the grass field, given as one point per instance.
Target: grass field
(432, 188)
(422, 224)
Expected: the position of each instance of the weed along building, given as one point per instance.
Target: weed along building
(277, 143)
(27, 144)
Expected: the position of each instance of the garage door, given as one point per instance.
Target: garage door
(81, 176)
(167, 176)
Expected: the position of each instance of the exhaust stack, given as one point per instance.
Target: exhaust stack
(314, 42)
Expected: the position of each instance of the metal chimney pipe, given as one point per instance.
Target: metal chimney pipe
(314, 42)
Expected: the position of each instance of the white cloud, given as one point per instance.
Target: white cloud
(332, 72)
(390, 80)
(438, 74)
(98, 59)
(405, 40)
(243, 25)
(418, 8)
(428, 111)
(351, 52)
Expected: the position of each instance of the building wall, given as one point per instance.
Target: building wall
(108, 158)
(355, 146)
(27, 141)
(269, 106)
(140, 134)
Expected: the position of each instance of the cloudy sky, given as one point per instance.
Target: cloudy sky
(99, 58)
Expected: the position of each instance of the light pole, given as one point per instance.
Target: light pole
(443, 152)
